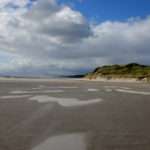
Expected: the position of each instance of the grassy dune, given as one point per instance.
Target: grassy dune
(133, 70)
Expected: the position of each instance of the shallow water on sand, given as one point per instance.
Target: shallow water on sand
(66, 102)
(64, 142)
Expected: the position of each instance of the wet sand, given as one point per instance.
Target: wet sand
(63, 142)
(83, 116)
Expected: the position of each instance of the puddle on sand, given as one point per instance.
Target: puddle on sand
(66, 102)
(93, 90)
(65, 87)
(51, 91)
(19, 92)
(36, 88)
(15, 96)
(116, 87)
(64, 142)
(108, 90)
(133, 92)
(35, 92)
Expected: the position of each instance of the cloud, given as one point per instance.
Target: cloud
(123, 42)
(49, 38)
(10, 6)
(21, 3)
(60, 23)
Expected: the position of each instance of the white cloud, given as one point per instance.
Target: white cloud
(50, 38)
(12, 5)
(20, 3)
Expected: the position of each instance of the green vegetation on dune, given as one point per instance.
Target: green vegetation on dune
(132, 70)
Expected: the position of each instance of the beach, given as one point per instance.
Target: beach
(70, 114)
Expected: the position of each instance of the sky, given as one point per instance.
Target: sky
(102, 10)
(64, 37)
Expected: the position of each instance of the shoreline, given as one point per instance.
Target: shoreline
(116, 80)
(26, 79)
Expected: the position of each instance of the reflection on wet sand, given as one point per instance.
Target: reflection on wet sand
(66, 102)
(74, 141)
(133, 92)
(35, 92)
(15, 96)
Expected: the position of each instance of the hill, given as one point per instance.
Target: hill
(129, 71)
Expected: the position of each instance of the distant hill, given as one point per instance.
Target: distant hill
(72, 76)
(132, 70)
